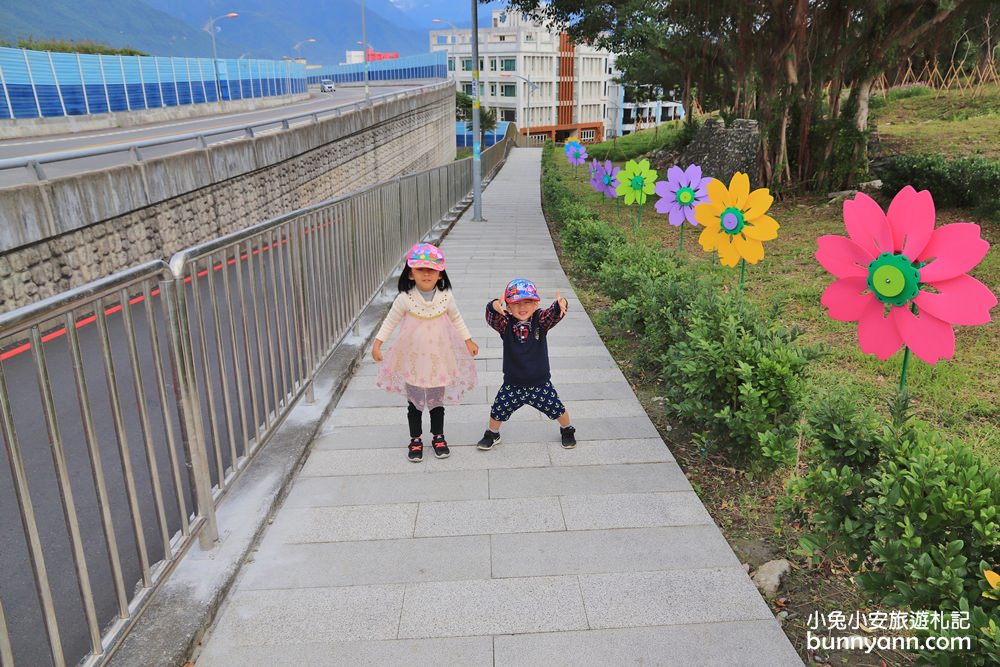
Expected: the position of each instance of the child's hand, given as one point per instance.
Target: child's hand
(473, 348)
(499, 305)
(562, 304)
(377, 351)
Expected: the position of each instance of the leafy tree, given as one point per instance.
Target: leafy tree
(81, 46)
(463, 113)
(804, 69)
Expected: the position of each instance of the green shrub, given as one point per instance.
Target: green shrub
(916, 515)
(589, 240)
(669, 135)
(966, 182)
(737, 377)
(878, 101)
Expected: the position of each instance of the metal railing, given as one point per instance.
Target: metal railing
(133, 150)
(125, 421)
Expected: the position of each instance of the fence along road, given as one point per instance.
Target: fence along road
(129, 405)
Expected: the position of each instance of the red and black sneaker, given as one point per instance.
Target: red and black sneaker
(416, 453)
(440, 446)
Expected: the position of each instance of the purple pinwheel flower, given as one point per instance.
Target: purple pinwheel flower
(607, 179)
(595, 175)
(680, 193)
(576, 154)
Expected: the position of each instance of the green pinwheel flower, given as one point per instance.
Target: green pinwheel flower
(636, 181)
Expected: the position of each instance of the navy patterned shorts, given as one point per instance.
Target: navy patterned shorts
(542, 397)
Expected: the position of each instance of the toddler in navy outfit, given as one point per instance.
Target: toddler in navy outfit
(526, 377)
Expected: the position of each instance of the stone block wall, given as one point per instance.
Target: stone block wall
(722, 151)
(66, 232)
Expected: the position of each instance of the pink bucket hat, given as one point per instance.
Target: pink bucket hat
(425, 256)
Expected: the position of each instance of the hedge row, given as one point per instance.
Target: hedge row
(967, 182)
(915, 515)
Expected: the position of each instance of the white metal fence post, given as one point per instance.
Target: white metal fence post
(187, 65)
(173, 73)
(159, 82)
(31, 79)
(6, 95)
(121, 64)
(142, 82)
(55, 77)
(104, 80)
(83, 84)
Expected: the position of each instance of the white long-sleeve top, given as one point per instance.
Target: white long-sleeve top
(412, 302)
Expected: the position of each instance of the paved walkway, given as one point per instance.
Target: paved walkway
(525, 555)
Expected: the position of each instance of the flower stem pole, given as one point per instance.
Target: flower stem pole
(680, 248)
(743, 274)
(906, 357)
(638, 218)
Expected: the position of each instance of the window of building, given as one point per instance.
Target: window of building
(493, 64)
(587, 135)
(467, 89)
(509, 115)
(529, 36)
(508, 64)
(442, 39)
(508, 90)
(451, 64)
(466, 64)
(502, 38)
(493, 89)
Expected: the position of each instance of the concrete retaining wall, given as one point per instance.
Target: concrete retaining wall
(68, 231)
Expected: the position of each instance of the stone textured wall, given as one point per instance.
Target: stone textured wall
(722, 151)
(66, 232)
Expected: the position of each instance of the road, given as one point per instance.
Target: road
(33, 147)
(262, 307)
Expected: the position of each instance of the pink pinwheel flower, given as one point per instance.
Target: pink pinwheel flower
(680, 193)
(576, 154)
(606, 181)
(903, 281)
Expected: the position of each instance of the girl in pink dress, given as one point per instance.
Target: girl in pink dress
(430, 362)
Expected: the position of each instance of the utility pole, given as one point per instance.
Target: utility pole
(477, 165)
(364, 48)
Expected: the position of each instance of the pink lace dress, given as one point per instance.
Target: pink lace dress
(428, 361)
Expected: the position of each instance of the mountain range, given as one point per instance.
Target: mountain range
(263, 28)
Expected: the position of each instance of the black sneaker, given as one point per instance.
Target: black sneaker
(416, 453)
(489, 439)
(440, 446)
(568, 437)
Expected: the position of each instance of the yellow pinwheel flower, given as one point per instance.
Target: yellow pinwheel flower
(734, 221)
(636, 181)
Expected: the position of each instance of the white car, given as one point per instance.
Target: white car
(327, 86)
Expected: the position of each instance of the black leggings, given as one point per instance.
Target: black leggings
(415, 417)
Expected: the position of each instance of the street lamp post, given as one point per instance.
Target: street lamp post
(477, 165)
(364, 38)
(527, 110)
(298, 56)
(454, 40)
(210, 29)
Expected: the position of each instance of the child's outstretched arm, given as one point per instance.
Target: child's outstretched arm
(394, 317)
(463, 331)
(552, 315)
(496, 316)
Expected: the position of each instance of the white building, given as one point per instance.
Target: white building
(628, 117)
(569, 83)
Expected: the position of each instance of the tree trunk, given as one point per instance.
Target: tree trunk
(864, 92)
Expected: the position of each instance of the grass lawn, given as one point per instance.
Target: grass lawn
(950, 122)
(961, 396)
